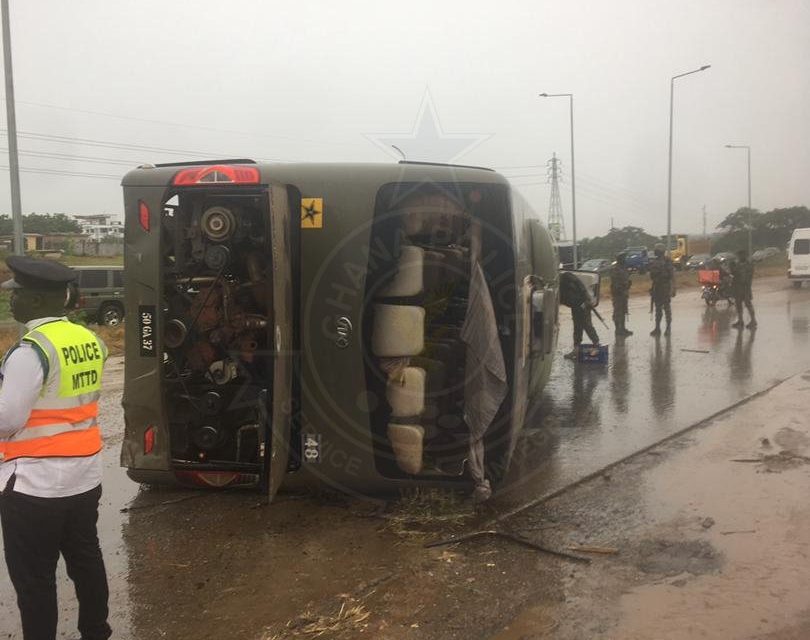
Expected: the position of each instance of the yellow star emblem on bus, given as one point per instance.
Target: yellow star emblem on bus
(312, 213)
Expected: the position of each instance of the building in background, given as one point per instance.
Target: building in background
(101, 226)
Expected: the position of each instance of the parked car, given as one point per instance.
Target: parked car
(99, 294)
(596, 265)
(637, 259)
(724, 255)
(764, 254)
(698, 261)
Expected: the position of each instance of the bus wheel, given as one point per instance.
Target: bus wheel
(797, 284)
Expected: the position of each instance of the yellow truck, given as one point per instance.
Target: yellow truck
(685, 246)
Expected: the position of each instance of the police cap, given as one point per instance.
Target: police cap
(36, 273)
(659, 246)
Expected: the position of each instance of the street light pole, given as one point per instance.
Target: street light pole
(13, 160)
(669, 174)
(750, 211)
(570, 96)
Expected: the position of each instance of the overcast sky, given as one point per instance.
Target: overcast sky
(102, 86)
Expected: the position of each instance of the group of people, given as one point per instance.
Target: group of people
(575, 295)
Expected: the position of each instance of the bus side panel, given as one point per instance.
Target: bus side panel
(143, 400)
(335, 429)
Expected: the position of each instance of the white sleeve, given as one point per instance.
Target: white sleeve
(22, 382)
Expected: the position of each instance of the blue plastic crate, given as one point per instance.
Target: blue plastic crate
(593, 354)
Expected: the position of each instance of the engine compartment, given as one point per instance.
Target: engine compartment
(217, 310)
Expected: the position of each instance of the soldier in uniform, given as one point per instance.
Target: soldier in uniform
(662, 276)
(50, 453)
(620, 291)
(742, 272)
(575, 295)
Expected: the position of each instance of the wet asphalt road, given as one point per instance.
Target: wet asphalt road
(592, 415)
(204, 565)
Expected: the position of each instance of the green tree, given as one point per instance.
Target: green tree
(771, 229)
(616, 240)
(43, 223)
(739, 220)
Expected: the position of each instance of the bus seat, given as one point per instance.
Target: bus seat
(407, 443)
(405, 392)
(435, 383)
(399, 330)
(409, 279)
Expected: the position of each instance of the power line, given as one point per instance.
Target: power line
(175, 124)
(45, 137)
(59, 172)
(68, 156)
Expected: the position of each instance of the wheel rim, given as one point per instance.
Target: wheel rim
(112, 317)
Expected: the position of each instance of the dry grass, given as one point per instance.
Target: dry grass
(424, 512)
(113, 337)
(350, 620)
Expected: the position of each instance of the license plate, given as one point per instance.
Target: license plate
(311, 447)
(146, 330)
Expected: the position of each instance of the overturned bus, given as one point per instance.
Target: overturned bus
(368, 326)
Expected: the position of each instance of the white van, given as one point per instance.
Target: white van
(799, 257)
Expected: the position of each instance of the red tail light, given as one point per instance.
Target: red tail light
(216, 174)
(143, 215)
(149, 439)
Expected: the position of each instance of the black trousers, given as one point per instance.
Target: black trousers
(583, 322)
(35, 532)
(619, 312)
(663, 307)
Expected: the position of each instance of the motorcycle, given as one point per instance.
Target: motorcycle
(713, 293)
(715, 287)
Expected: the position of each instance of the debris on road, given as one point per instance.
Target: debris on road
(507, 536)
(728, 533)
(608, 551)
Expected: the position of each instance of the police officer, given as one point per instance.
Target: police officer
(662, 276)
(742, 274)
(620, 292)
(575, 295)
(50, 453)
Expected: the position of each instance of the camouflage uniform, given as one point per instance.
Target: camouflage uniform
(620, 291)
(662, 276)
(574, 294)
(742, 273)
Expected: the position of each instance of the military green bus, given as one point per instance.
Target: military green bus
(367, 326)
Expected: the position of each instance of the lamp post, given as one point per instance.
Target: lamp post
(11, 119)
(669, 176)
(750, 213)
(570, 96)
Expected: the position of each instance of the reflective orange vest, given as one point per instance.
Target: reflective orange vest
(63, 422)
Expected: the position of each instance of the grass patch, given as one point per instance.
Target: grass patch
(113, 337)
(424, 512)
(83, 261)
